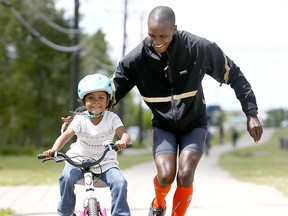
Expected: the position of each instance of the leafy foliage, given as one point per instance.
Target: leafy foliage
(6, 212)
(35, 79)
(275, 117)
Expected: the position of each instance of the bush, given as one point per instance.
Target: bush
(16, 150)
(6, 212)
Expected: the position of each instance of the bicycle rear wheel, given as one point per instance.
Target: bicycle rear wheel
(92, 207)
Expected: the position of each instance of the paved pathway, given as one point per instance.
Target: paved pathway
(215, 192)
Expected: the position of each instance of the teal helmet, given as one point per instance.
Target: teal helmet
(94, 82)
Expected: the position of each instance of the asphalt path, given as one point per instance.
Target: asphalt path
(216, 193)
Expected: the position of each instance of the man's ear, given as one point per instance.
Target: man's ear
(175, 29)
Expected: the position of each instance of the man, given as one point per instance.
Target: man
(168, 68)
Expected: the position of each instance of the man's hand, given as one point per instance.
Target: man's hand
(254, 127)
(66, 122)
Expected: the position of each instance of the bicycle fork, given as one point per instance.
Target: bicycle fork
(91, 205)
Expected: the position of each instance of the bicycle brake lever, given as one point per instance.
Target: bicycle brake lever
(47, 159)
(57, 159)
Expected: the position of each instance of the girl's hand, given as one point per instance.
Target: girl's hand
(49, 153)
(120, 145)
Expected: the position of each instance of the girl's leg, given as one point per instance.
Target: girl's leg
(118, 187)
(69, 177)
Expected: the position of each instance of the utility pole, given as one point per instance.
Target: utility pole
(124, 28)
(122, 102)
(75, 59)
(140, 114)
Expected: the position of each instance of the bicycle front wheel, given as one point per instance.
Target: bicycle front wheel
(92, 207)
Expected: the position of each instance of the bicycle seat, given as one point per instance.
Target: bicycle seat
(98, 183)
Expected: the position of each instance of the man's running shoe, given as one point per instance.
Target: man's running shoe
(156, 211)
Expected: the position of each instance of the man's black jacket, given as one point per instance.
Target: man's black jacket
(170, 83)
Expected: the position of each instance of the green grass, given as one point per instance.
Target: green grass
(262, 164)
(6, 212)
(28, 170)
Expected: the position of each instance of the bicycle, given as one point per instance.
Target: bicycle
(91, 203)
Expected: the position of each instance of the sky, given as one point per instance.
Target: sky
(253, 33)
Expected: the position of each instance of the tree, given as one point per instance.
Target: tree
(94, 57)
(35, 76)
(275, 117)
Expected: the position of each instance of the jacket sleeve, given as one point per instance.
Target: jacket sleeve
(224, 70)
(121, 81)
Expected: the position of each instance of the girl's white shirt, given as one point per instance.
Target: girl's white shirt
(90, 138)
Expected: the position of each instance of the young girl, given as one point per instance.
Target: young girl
(92, 128)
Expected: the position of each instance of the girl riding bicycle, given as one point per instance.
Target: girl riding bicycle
(92, 128)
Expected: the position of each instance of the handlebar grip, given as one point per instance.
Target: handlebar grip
(41, 156)
(128, 145)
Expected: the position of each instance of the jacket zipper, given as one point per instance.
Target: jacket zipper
(168, 74)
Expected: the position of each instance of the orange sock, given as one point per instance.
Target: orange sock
(181, 200)
(160, 193)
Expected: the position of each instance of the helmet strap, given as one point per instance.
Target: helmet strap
(91, 115)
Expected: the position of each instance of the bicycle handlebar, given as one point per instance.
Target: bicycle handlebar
(84, 163)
